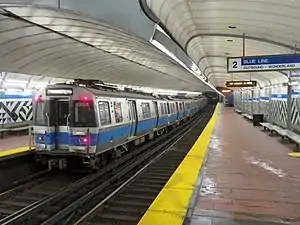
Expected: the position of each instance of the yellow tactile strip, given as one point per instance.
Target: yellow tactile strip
(14, 151)
(170, 206)
(295, 154)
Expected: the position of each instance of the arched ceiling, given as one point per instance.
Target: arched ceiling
(51, 42)
(202, 28)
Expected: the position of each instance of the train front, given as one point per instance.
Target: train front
(64, 124)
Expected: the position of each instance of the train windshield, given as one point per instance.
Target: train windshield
(40, 117)
(84, 114)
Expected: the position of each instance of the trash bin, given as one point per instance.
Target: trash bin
(257, 119)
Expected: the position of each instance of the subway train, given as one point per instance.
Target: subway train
(90, 122)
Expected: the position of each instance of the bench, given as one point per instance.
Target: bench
(19, 128)
(4, 130)
(247, 116)
(284, 133)
(293, 137)
(238, 111)
(280, 131)
(267, 126)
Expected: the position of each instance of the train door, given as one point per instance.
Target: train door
(133, 120)
(59, 119)
(63, 114)
(177, 111)
(156, 113)
(184, 109)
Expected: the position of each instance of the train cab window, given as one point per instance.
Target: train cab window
(84, 114)
(146, 110)
(40, 118)
(104, 112)
(118, 112)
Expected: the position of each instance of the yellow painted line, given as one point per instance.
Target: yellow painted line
(295, 154)
(14, 151)
(171, 203)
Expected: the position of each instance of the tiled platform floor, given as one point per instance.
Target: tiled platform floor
(13, 142)
(248, 178)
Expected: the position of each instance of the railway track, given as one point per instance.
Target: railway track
(28, 193)
(67, 200)
(128, 204)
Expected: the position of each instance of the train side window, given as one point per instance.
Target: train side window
(180, 107)
(118, 112)
(166, 108)
(162, 109)
(146, 110)
(104, 112)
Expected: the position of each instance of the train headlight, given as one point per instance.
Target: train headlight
(84, 140)
(41, 138)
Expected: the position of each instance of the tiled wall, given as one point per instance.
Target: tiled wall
(15, 110)
(272, 103)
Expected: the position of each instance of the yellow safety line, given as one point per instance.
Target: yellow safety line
(14, 151)
(295, 154)
(170, 205)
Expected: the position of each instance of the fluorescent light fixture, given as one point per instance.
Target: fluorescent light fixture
(199, 75)
(293, 83)
(232, 27)
(226, 91)
(9, 84)
(30, 90)
(161, 30)
(15, 81)
(13, 91)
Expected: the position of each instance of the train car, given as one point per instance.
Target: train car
(93, 122)
(229, 100)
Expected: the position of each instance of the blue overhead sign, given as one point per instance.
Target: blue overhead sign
(263, 63)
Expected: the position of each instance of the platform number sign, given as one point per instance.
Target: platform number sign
(234, 64)
(263, 63)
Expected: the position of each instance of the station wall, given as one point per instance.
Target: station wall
(15, 109)
(271, 102)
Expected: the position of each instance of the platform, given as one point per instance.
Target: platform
(13, 145)
(247, 177)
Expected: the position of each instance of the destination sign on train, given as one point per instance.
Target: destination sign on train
(66, 91)
(251, 83)
(263, 63)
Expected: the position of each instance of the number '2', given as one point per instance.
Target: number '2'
(235, 64)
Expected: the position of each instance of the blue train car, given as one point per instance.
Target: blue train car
(90, 122)
(229, 100)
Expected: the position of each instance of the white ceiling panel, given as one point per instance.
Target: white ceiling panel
(48, 42)
(203, 29)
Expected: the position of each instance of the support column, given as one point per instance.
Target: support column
(289, 104)
(269, 105)
(243, 102)
(259, 102)
(252, 101)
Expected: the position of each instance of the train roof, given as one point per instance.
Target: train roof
(120, 94)
(101, 89)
